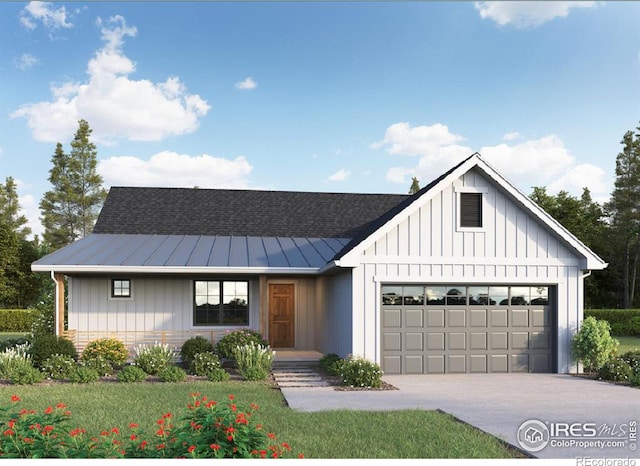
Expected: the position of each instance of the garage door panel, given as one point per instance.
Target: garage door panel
(392, 342)
(413, 318)
(392, 318)
(478, 363)
(457, 364)
(498, 331)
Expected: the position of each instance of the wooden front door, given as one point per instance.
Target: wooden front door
(281, 315)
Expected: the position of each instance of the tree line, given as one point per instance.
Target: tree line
(70, 208)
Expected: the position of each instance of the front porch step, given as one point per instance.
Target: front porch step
(298, 374)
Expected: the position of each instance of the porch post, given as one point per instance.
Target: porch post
(59, 311)
(264, 307)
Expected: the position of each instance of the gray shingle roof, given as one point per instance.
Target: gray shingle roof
(210, 212)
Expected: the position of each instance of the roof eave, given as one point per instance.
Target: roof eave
(112, 269)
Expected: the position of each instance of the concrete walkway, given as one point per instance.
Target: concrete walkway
(500, 403)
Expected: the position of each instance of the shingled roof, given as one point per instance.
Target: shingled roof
(210, 212)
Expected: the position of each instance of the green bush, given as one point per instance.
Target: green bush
(153, 358)
(633, 359)
(99, 364)
(13, 342)
(57, 366)
(44, 346)
(131, 374)
(359, 372)
(218, 375)
(26, 375)
(593, 345)
(11, 361)
(635, 379)
(83, 374)
(204, 362)
(193, 346)
(616, 370)
(172, 374)
(330, 363)
(623, 322)
(254, 361)
(17, 320)
(241, 337)
(111, 349)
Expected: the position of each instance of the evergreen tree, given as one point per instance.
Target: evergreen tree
(415, 186)
(70, 209)
(624, 213)
(10, 209)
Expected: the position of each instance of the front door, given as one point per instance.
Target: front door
(281, 315)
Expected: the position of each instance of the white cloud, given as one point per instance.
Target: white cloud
(26, 61)
(536, 162)
(340, 175)
(176, 170)
(114, 105)
(524, 14)
(512, 136)
(402, 139)
(246, 85)
(46, 13)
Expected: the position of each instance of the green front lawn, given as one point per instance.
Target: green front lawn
(335, 434)
(628, 344)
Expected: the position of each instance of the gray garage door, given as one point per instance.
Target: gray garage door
(467, 329)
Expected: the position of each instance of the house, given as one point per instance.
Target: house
(467, 275)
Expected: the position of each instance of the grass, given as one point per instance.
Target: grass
(333, 434)
(628, 344)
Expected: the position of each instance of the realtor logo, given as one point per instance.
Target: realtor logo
(533, 435)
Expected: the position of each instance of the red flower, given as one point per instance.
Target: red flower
(15, 398)
(254, 406)
(115, 430)
(211, 404)
(61, 406)
(160, 422)
(104, 433)
(191, 448)
(49, 410)
(27, 440)
(165, 416)
(300, 455)
(271, 435)
(263, 453)
(133, 425)
(286, 446)
(12, 423)
(8, 432)
(159, 447)
(214, 446)
(133, 437)
(160, 431)
(230, 438)
(144, 444)
(231, 397)
(234, 408)
(47, 429)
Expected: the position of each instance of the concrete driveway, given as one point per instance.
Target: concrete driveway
(577, 413)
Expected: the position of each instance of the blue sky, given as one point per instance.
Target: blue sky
(325, 96)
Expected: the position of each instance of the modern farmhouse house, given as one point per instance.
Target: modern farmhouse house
(467, 275)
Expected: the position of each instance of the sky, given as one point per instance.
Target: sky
(319, 96)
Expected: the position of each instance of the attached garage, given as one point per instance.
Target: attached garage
(429, 329)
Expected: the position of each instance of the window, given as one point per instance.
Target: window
(221, 302)
(120, 288)
(470, 210)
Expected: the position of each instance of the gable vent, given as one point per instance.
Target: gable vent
(471, 210)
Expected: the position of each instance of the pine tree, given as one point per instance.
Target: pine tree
(415, 186)
(70, 209)
(624, 211)
(10, 208)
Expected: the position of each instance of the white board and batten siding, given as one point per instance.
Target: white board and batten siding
(427, 246)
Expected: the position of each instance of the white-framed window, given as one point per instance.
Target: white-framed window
(471, 208)
(221, 302)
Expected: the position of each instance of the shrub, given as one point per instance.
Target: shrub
(172, 374)
(254, 361)
(44, 346)
(330, 363)
(99, 364)
(83, 374)
(218, 375)
(241, 337)
(193, 346)
(635, 379)
(12, 360)
(623, 322)
(131, 374)
(57, 366)
(633, 359)
(204, 362)
(15, 342)
(26, 375)
(111, 349)
(16, 320)
(616, 370)
(153, 358)
(593, 344)
(359, 372)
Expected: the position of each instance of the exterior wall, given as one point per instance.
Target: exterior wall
(157, 303)
(511, 248)
(334, 321)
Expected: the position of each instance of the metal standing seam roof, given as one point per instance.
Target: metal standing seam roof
(128, 252)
